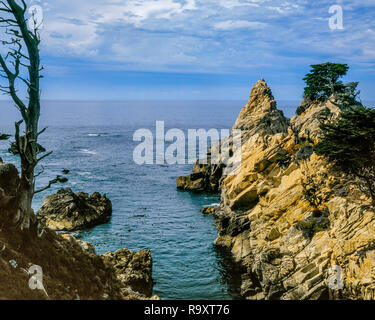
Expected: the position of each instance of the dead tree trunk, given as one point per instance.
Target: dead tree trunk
(23, 53)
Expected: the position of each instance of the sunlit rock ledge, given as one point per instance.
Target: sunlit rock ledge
(288, 248)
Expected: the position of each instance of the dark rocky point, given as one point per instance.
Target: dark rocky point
(67, 211)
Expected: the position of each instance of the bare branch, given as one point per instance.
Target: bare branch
(41, 172)
(6, 9)
(12, 91)
(58, 179)
(44, 156)
(42, 131)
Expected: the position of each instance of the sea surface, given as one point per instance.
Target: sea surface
(94, 140)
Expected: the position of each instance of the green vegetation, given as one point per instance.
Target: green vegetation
(4, 136)
(323, 81)
(350, 143)
(349, 140)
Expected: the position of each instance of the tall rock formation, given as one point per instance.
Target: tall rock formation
(260, 116)
(258, 119)
(299, 229)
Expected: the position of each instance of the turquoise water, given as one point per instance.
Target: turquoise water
(94, 141)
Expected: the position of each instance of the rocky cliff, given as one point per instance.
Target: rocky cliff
(67, 268)
(299, 229)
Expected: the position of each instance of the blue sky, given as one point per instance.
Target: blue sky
(198, 49)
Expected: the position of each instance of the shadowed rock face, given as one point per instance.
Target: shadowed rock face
(9, 182)
(71, 268)
(67, 211)
(205, 178)
(290, 247)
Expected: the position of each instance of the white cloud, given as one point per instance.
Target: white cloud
(76, 27)
(236, 3)
(188, 34)
(137, 11)
(70, 38)
(239, 24)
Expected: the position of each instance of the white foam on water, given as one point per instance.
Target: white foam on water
(84, 173)
(97, 134)
(87, 151)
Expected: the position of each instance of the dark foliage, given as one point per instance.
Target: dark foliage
(301, 109)
(323, 81)
(350, 143)
(4, 136)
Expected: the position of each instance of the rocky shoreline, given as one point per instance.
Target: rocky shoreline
(69, 268)
(288, 247)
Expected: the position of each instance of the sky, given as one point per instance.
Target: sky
(199, 49)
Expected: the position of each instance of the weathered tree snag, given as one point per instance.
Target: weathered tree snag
(23, 53)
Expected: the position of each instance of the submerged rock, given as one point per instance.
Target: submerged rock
(67, 211)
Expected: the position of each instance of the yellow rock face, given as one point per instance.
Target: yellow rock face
(295, 246)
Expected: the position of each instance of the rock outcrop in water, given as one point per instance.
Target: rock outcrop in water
(205, 178)
(71, 270)
(299, 229)
(67, 211)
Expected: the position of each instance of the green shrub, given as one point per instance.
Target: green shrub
(349, 142)
(4, 136)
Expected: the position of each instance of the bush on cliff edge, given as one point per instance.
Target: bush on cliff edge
(323, 81)
(350, 143)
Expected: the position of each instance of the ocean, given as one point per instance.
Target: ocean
(94, 140)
